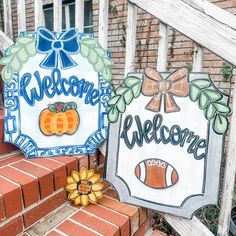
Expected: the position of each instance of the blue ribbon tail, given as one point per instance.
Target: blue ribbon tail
(50, 61)
(66, 60)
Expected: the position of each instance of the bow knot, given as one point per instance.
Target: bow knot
(58, 47)
(176, 84)
(164, 86)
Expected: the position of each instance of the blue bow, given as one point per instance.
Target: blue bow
(57, 48)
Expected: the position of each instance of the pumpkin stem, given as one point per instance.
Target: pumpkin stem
(59, 106)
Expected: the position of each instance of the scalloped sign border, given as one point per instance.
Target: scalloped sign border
(71, 68)
(166, 138)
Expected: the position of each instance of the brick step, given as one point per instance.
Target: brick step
(6, 148)
(32, 188)
(109, 217)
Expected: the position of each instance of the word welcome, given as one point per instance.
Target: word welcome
(56, 85)
(153, 130)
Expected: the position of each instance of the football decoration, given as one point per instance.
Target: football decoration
(59, 118)
(156, 173)
(165, 140)
(84, 187)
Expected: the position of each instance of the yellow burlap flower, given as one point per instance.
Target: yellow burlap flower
(83, 187)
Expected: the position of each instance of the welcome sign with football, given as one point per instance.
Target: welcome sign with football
(165, 140)
(55, 95)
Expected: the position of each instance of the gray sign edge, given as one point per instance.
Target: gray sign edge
(192, 203)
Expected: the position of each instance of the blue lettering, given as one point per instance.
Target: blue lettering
(56, 85)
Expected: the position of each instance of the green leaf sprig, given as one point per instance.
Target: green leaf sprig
(96, 56)
(124, 95)
(211, 101)
(17, 55)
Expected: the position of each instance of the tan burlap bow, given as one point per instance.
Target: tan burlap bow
(176, 84)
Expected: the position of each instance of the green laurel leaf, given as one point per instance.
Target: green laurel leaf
(14, 49)
(210, 101)
(213, 95)
(120, 105)
(17, 55)
(220, 124)
(100, 51)
(113, 100)
(96, 56)
(107, 61)
(136, 89)
(107, 74)
(222, 108)
(121, 90)
(89, 41)
(124, 95)
(202, 83)
(92, 57)
(22, 55)
(31, 50)
(113, 115)
(7, 73)
(194, 93)
(131, 80)
(210, 111)
(24, 40)
(203, 101)
(84, 50)
(5, 60)
(16, 64)
(99, 66)
(128, 97)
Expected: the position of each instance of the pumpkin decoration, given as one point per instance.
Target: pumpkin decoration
(59, 118)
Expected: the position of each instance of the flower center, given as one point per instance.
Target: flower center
(84, 187)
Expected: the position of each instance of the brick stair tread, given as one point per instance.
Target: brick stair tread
(100, 219)
(31, 189)
(35, 186)
(7, 147)
(33, 180)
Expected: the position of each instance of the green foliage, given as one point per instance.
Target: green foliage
(96, 56)
(211, 101)
(17, 55)
(189, 67)
(113, 8)
(209, 216)
(226, 71)
(124, 95)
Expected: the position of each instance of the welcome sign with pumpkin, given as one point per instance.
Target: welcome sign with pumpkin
(56, 90)
(165, 140)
